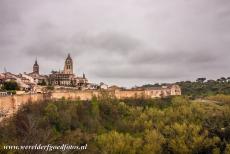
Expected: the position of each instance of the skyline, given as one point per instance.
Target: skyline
(125, 42)
(60, 70)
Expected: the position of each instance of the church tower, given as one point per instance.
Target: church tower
(36, 67)
(68, 68)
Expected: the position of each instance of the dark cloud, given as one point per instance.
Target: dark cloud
(9, 14)
(50, 44)
(46, 45)
(139, 72)
(126, 42)
(111, 42)
(176, 57)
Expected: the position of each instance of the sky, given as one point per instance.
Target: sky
(122, 42)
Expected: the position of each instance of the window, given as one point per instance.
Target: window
(68, 67)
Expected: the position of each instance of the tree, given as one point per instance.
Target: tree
(10, 85)
(153, 142)
(43, 83)
(223, 79)
(108, 125)
(51, 112)
(189, 138)
(114, 142)
(227, 149)
(228, 78)
(200, 80)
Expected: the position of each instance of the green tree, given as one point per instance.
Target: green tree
(10, 85)
(43, 83)
(200, 80)
(227, 149)
(114, 143)
(189, 138)
(51, 111)
(153, 142)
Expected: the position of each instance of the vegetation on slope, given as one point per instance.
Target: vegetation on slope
(202, 88)
(108, 125)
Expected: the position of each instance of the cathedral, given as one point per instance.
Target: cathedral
(67, 76)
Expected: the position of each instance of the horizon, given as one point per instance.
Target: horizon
(130, 86)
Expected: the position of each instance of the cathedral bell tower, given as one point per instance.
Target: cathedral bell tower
(36, 67)
(68, 68)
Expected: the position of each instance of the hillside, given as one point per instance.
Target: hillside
(202, 88)
(108, 125)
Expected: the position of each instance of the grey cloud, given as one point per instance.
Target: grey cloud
(178, 57)
(46, 50)
(108, 41)
(160, 66)
(139, 72)
(47, 43)
(8, 13)
(119, 41)
(58, 45)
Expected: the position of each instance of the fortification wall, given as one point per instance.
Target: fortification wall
(81, 95)
(129, 94)
(7, 104)
(11, 104)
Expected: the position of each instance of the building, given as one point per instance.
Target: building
(1, 80)
(35, 77)
(152, 92)
(67, 76)
(104, 86)
(16, 78)
(34, 82)
(36, 67)
(164, 91)
(68, 67)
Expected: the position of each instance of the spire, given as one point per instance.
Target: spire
(36, 62)
(68, 57)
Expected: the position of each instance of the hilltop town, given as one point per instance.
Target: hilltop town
(34, 82)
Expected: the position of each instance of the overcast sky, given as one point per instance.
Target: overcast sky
(124, 42)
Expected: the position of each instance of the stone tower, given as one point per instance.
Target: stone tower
(68, 68)
(36, 67)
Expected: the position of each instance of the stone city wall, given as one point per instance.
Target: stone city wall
(81, 95)
(129, 94)
(10, 104)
